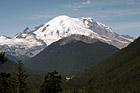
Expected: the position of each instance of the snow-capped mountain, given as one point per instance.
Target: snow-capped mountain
(24, 43)
(63, 26)
(32, 42)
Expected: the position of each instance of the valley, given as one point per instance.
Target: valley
(80, 55)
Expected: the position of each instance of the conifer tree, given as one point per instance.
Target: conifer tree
(4, 83)
(21, 76)
(2, 58)
(4, 77)
(51, 83)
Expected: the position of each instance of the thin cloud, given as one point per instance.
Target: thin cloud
(86, 3)
(78, 7)
(81, 5)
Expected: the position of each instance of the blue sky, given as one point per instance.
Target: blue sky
(121, 15)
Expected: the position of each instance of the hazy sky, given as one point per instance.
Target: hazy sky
(121, 15)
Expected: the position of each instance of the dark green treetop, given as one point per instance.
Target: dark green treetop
(51, 83)
(2, 58)
(21, 76)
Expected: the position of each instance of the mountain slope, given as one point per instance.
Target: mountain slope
(12, 58)
(16, 58)
(119, 73)
(24, 43)
(8, 66)
(63, 26)
(30, 43)
(34, 78)
(71, 54)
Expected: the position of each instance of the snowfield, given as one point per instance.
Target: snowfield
(30, 43)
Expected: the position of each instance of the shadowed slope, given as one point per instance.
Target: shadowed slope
(70, 55)
(119, 73)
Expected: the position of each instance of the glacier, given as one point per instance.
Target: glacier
(30, 43)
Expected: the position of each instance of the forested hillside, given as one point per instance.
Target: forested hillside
(71, 55)
(119, 73)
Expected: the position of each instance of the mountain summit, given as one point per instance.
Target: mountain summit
(31, 43)
(63, 26)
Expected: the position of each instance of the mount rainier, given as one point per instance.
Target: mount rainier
(30, 43)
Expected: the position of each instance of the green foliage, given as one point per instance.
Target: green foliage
(21, 76)
(4, 77)
(6, 65)
(2, 58)
(4, 83)
(119, 73)
(51, 83)
(69, 56)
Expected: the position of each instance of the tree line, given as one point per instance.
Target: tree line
(17, 82)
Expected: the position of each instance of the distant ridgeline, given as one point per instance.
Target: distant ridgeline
(119, 73)
(71, 55)
(29, 43)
